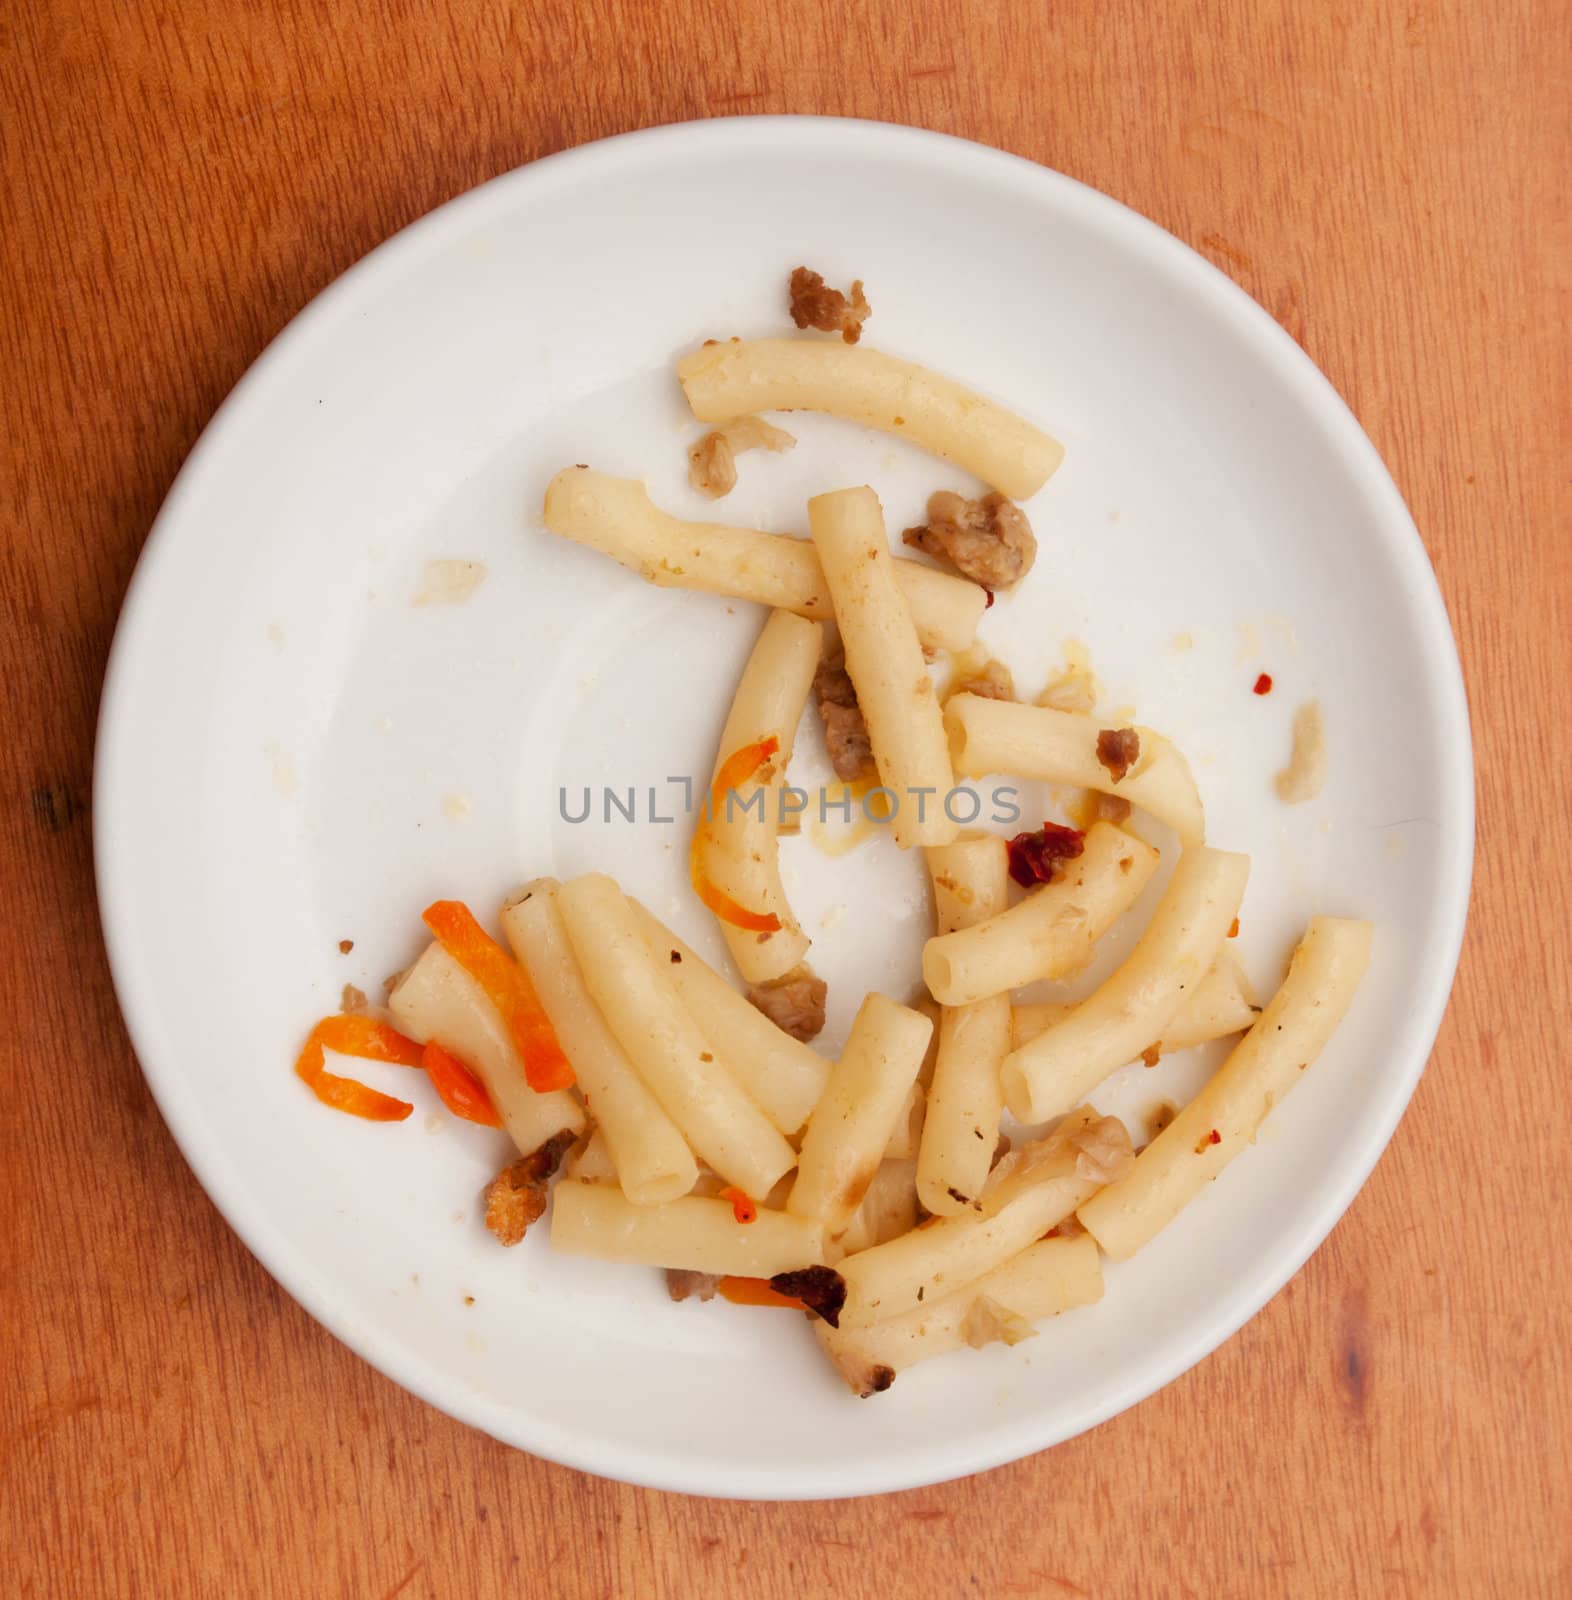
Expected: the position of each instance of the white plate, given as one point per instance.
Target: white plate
(292, 754)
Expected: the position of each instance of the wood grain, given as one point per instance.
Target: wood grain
(1390, 182)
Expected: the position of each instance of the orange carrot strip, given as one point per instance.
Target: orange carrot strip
(755, 1292)
(742, 1208)
(345, 1094)
(366, 1037)
(509, 989)
(736, 769)
(462, 1092)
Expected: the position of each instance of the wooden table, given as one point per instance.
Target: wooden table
(1391, 181)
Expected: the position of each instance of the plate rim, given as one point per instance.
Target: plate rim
(1290, 363)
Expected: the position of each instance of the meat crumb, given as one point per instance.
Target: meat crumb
(1118, 749)
(682, 1284)
(516, 1197)
(1302, 778)
(794, 1003)
(994, 682)
(352, 1001)
(822, 1291)
(712, 462)
(845, 733)
(987, 540)
(814, 305)
(345, 946)
(1151, 1055)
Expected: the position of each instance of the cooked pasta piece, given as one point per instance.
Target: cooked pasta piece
(668, 1048)
(852, 1123)
(780, 1074)
(596, 1219)
(741, 848)
(617, 517)
(1051, 932)
(970, 885)
(1220, 1004)
(989, 736)
(1065, 1062)
(739, 377)
(437, 999)
(1042, 1281)
(1030, 1192)
(884, 659)
(649, 1156)
(1225, 1116)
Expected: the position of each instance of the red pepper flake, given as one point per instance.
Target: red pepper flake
(988, 603)
(1035, 857)
(1263, 684)
(742, 1208)
(1233, 929)
(1213, 1137)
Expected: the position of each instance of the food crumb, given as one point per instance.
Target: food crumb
(469, 1299)
(351, 1000)
(456, 807)
(1263, 684)
(449, 583)
(1305, 773)
(815, 305)
(345, 946)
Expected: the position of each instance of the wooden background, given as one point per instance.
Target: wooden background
(1391, 181)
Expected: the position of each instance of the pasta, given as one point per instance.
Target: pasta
(970, 885)
(437, 999)
(616, 517)
(1065, 1062)
(666, 1045)
(649, 1156)
(1224, 1118)
(740, 377)
(852, 1123)
(742, 854)
(595, 1219)
(780, 1074)
(1048, 934)
(879, 1191)
(1220, 1004)
(884, 661)
(1043, 1280)
(988, 736)
(947, 1253)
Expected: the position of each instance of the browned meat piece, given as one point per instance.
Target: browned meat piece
(794, 1003)
(822, 1291)
(845, 733)
(1118, 749)
(712, 462)
(516, 1197)
(682, 1284)
(352, 1000)
(815, 306)
(987, 540)
(994, 682)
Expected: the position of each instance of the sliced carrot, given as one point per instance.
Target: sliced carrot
(356, 1036)
(742, 1207)
(755, 1292)
(462, 1092)
(509, 989)
(735, 770)
(368, 1038)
